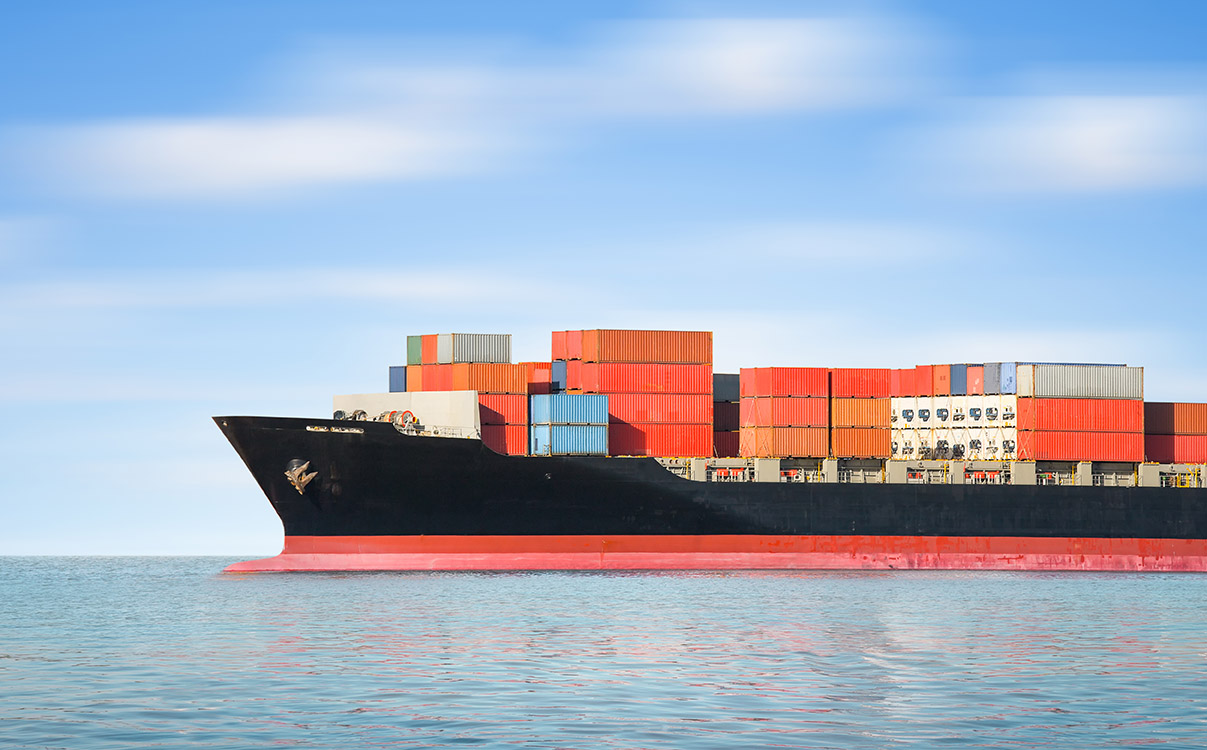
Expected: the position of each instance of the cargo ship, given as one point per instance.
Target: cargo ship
(625, 451)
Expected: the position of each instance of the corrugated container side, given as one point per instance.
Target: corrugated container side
(726, 416)
(909, 382)
(508, 439)
(540, 377)
(605, 377)
(783, 442)
(726, 387)
(660, 407)
(574, 375)
(557, 375)
(976, 380)
(861, 442)
(1054, 445)
(1088, 381)
(414, 350)
(1008, 378)
(663, 347)
(1081, 414)
(558, 345)
(574, 345)
(428, 348)
(414, 378)
(959, 380)
(1175, 418)
(490, 378)
(568, 440)
(941, 380)
(924, 380)
(1176, 449)
(725, 444)
(799, 381)
(398, 379)
(860, 412)
(481, 347)
(502, 408)
(652, 439)
(438, 378)
(993, 378)
(784, 411)
(568, 408)
(860, 382)
(894, 387)
(444, 348)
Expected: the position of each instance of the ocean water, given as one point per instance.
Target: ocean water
(169, 652)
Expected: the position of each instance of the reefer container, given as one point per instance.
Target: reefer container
(458, 348)
(1053, 445)
(959, 380)
(503, 408)
(1081, 414)
(785, 381)
(609, 377)
(398, 379)
(568, 440)
(569, 408)
(860, 442)
(1081, 381)
(1176, 449)
(670, 440)
(508, 439)
(660, 407)
(414, 350)
(976, 380)
(664, 347)
(726, 387)
(860, 412)
(784, 442)
(726, 416)
(1177, 418)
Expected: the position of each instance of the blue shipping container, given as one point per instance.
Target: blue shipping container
(959, 380)
(398, 379)
(568, 440)
(1008, 384)
(568, 408)
(557, 376)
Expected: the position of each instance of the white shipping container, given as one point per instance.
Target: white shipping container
(1026, 380)
(473, 348)
(1088, 381)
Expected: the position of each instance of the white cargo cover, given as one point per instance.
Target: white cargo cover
(448, 410)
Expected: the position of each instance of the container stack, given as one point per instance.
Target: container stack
(960, 412)
(1175, 433)
(726, 415)
(398, 379)
(566, 424)
(658, 383)
(1071, 412)
(859, 413)
(784, 412)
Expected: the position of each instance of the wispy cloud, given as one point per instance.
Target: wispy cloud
(382, 119)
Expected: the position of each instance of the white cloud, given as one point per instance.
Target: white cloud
(1072, 143)
(367, 120)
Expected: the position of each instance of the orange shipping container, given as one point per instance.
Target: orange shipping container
(438, 377)
(427, 349)
(558, 345)
(924, 380)
(667, 440)
(574, 345)
(861, 442)
(784, 381)
(1081, 414)
(783, 442)
(489, 378)
(1176, 449)
(509, 439)
(860, 382)
(1166, 418)
(610, 377)
(414, 378)
(659, 347)
(976, 380)
(1054, 445)
(941, 379)
(860, 412)
(779, 411)
(502, 408)
(540, 377)
(660, 407)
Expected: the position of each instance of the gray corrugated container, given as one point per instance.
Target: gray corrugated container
(726, 387)
(959, 380)
(398, 379)
(1089, 381)
(568, 408)
(557, 375)
(473, 347)
(993, 378)
(414, 350)
(568, 440)
(1008, 383)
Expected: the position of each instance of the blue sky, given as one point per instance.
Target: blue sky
(244, 208)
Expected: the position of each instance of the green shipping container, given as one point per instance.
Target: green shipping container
(414, 350)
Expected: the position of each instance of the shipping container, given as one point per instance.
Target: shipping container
(490, 378)
(414, 350)
(574, 345)
(502, 408)
(398, 379)
(1081, 381)
(976, 380)
(1054, 445)
(1176, 449)
(726, 416)
(438, 378)
(725, 444)
(1008, 378)
(414, 378)
(784, 381)
(726, 387)
(508, 439)
(993, 378)
(940, 380)
(568, 440)
(609, 377)
(959, 380)
(860, 412)
(660, 407)
(784, 411)
(557, 375)
(558, 345)
(653, 439)
(574, 375)
(655, 347)
(566, 408)
(860, 382)
(1080, 414)
(463, 348)
(1175, 418)
(860, 442)
(540, 377)
(783, 442)
(924, 380)
(427, 348)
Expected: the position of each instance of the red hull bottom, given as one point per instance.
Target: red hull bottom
(345, 553)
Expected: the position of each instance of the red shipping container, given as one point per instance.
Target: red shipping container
(894, 387)
(558, 345)
(510, 439)
(489, 378)
(1174, 418)
(540, 377)
(784, 381)
(861, 442)
(1055, 445)
(658, 347)
(726, 416)
(437, 378)
(725, 444)
(783, 442)
(608, 377)
(1176, 449)
(574, 345)
(427, 349)
(860, 412)
(941, 378)
(660, 407)
(502, 408)
(784, 411)
(666, 440)
(976, 380)
(414, 378)
(924, 380)
(1080, 414)
(908, 379)
(860, 382)
(574, 375)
